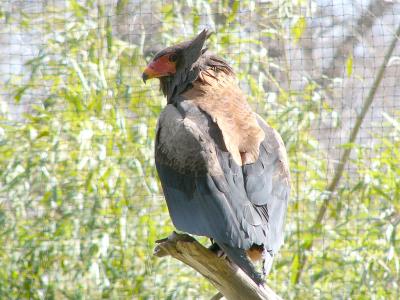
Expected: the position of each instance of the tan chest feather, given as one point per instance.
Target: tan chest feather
(219, 96)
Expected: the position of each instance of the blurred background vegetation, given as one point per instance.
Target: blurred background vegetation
(80, 202)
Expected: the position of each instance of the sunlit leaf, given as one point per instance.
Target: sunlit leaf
(349, 65)
(298, 28)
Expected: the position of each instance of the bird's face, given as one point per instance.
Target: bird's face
(163, 64)
(173, 59)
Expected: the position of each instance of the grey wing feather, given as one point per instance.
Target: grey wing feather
(208, 194)
(268, 184)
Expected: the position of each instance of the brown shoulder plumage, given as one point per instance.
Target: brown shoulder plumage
(216, 92)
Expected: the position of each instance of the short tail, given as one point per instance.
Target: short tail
(239, 258)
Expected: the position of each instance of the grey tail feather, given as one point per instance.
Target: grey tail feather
(239, 257)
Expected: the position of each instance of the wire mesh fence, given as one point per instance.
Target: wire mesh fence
(80, 202)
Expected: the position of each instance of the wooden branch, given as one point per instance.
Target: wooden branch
(231, 281)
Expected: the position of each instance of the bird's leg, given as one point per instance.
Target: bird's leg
(264, 272)
(216, 249)
(267, 259)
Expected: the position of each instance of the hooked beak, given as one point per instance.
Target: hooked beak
(150, 72)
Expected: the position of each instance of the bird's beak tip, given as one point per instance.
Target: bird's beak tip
(145, 77)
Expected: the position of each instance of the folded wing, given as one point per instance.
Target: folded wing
(209, 194)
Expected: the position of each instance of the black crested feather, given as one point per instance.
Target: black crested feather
(172, 86)
(192, 60)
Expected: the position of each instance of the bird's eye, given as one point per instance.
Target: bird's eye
(173, 57)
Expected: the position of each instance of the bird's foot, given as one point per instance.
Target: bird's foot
(217, 250)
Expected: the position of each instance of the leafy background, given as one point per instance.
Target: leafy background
(80, 202)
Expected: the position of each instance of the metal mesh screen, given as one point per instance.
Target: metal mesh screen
(80, 202)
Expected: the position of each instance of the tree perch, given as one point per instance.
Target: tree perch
(231, 282)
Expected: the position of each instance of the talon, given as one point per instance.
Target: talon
(217, 250)
(221, 254)
(161, 240)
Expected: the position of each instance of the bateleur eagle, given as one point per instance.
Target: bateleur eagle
(223, 170)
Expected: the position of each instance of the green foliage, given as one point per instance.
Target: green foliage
(80, 204)
(299, 27)
(78, 170)
(349, 65)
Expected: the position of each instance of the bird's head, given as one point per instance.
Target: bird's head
(176, 60)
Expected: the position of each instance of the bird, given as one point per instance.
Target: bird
(223, 170)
